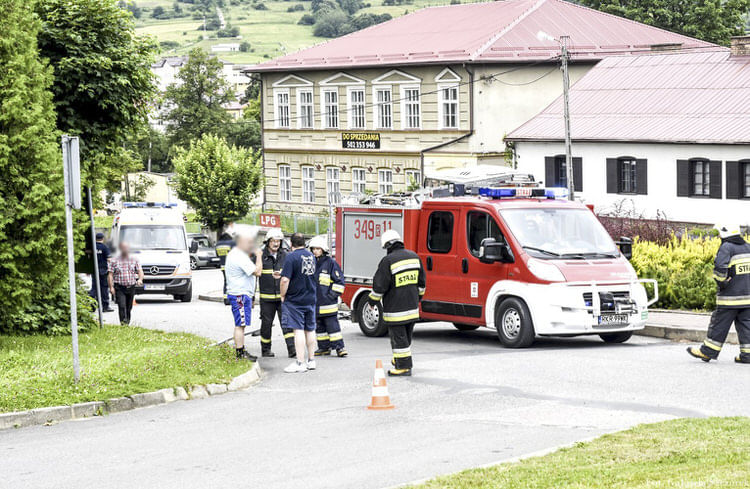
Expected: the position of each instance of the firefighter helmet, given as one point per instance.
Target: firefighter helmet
(274, 233)
(727, 229)
(389, 237)
(319, 242)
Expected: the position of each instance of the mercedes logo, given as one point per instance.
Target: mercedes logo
(154, 270)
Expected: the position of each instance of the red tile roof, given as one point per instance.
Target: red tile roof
(501, 31)
(698, 97)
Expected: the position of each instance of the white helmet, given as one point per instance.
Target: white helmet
(727, 229)
(389, 237)
(319, 241)
(274, 233)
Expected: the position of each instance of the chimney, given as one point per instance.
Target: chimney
(740, 46)
(668, 46)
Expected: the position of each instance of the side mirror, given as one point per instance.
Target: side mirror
(626, 247)
(193, 246)
(492, 251)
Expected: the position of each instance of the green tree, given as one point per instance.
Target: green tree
(152, 144)
(217, 180)
(245, 132)
(198, 99)
(103, 83)
(32, 260)
(710, 20)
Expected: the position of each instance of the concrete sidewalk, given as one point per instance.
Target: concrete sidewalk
(680, 325)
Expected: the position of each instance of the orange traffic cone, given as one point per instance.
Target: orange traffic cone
(380, 397)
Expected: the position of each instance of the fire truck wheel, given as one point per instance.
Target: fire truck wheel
(465, 327)
(616, 337)
(369, 319)
(513, 323)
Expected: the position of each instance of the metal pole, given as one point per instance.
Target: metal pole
(95, 277)
(66, 143)
(566, 114)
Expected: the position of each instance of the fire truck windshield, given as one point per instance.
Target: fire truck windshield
(560, 233)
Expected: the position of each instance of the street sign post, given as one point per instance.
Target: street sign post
(72, 176)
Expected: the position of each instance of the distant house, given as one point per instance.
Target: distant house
(230, 47)
(665, 132)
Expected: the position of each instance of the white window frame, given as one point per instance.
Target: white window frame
(324, 113)
(311, 105)
(350, 107)
(442, 102)
(404, 103)
(385, 186)
(377, 119)
(308, 184)
(285, 183)
(359, 185)
(333, 182)
(278, 115)
(412, 173)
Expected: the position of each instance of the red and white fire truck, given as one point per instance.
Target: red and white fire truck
(521, 259)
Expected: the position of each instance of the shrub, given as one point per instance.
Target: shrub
(296, 8)
(306, 19)
(260, 6)
(245, 47)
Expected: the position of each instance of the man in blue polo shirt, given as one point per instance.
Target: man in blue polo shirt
(298, 292)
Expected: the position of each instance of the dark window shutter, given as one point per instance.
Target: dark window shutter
(549, 171)
(735, 180)
(612, 183)
(578, 174)
(683, 178)
(716, 181)
(641, 176)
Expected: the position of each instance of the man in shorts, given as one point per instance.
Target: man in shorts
(298, 291)
(241, 274)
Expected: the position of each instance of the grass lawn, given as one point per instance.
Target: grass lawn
(37, 370)
(683, 453)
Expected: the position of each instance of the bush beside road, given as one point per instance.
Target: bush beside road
(115, 361)
(712, 452)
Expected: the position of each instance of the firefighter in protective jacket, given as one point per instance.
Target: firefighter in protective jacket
(732, 275)
(399, 283)
(330, 280)
(270, 294)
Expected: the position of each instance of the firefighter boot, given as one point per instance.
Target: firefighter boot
(341, 352)
(322, 352)
(399, 372)
(697, 353)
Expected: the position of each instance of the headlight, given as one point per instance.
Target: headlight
(545, 271)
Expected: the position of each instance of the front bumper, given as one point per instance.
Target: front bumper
(169, 286)
(208, 261)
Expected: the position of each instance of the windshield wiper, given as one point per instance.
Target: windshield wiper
(584, 255)
(541, 250)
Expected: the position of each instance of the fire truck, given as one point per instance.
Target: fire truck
(519, 258)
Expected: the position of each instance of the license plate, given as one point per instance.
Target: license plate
(613, 319)
(153, 287)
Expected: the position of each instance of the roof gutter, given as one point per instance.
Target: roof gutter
(461, 137)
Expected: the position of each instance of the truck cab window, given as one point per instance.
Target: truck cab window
(480, 225)
(440, 232)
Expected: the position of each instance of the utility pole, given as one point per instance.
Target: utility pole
(564, 58)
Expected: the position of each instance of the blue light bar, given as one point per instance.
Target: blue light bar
(143, 205)
(556, 193)
(497, 193)
(524, 192)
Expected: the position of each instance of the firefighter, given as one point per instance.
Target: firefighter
(732, 275)
(399, 283)
(330, 282)
(223, 245)
(270, 294)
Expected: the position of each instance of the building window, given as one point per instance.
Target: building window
(305, 109)
(330, 109)
(384, 117)
(449, 107)
(627, 183)
(357, 108)
(413, 178)
(308, 184)
(561, 172)
(285, 183)
(746, 178)
(359, 180)
(282, 108)
(410, 114)
(332, 184)
(440, 232)
(385, 181)
(700, 176)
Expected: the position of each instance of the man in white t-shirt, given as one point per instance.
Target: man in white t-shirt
(241, 272)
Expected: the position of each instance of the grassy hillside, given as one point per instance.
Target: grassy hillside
(271, 33)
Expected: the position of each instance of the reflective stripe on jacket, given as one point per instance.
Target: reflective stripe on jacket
(330, 281)
(400, 283)
(732, 273)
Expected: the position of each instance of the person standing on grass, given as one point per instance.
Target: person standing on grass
(124, 274)
(298, 291)
(102, 256)
(241, 272)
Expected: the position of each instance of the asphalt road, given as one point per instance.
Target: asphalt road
(470, 402)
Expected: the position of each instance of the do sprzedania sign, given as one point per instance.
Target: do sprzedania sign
(360, 140)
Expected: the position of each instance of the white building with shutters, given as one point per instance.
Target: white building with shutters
(664, 133)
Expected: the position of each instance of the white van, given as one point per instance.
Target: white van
(156, 235)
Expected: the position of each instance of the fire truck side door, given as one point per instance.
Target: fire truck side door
(437, 248)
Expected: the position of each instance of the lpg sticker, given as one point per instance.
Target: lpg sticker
(475, 289)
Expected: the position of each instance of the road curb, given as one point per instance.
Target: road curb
(216, 296)
(55, 414)
(680, 334)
